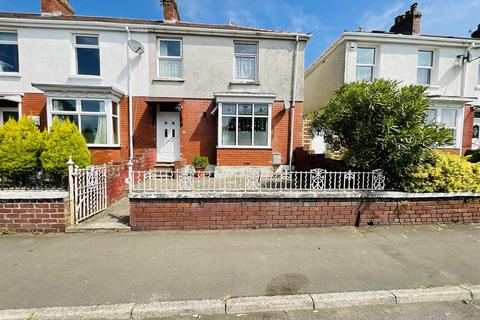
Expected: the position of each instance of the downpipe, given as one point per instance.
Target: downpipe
(292, 107)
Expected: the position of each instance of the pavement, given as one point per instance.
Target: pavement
(144, 267)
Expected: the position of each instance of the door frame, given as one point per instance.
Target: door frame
(176, 146)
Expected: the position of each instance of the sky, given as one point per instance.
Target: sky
(324, 19)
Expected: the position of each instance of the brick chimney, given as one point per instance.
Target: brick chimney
(476, 33)
(170, 11)
(408, 23)
(56, 8)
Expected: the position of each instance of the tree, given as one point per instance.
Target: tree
(20, 146)
(62, 142)
(381, 125)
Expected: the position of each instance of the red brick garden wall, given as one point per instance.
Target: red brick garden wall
(187, 214)
(26, 215)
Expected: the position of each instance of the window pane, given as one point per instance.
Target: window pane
(228, 109)
(8, 36)
(116, 139)
(423, 76)
(260, 135)
(476, 115)
(245, 67)
(170, 69)
(86, 40)
(431, 116)
(88, 61)
(245, 109)
(228, 131)
(8, 58)
(64, 105)
(448, 117)
(244, 131)
(94, 129)
(261, 109)
(115, 108)
(476, 131)
(93, 106)
(365, 73)
(243, 48)
(425, 58)
(365, 56)
(170, 48)
(63, 117)
(7, 115)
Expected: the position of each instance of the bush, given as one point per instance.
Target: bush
(444, 173)
(380, 125)
(62, 142)
(200, 161)
(20, 146)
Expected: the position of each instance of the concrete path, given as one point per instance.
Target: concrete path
(102, 268)
(114, 219)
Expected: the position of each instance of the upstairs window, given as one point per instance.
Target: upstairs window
(9, 52)
(245, 124)
(88, 55)
(365, 64)
(246, 59)
(170, 58)
(425, 67)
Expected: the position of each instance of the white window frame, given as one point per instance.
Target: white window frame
(431, 68)
(7, 109)
(87, 46)
(108, 114)
(245, 55)
(170, 58)
(373, 66)
(18, 50)
(252, 116)
(117, 116)
(458, 122)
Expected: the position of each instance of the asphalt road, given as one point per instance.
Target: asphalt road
(91, 269)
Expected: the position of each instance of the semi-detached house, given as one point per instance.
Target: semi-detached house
(449, 66)
(156, 91)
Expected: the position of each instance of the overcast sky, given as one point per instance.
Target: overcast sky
(325, 19)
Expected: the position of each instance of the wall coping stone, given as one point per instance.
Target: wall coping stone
(32, 194)
(301, 195)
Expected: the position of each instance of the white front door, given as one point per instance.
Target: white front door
(168, 136)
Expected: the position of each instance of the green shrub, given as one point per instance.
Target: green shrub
(20, 146)
(380, 125)
(200, 161)
(62, 142)
(474, 157)
(444, 173)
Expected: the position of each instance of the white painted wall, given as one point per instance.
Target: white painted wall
(48, 56)
(208, 67)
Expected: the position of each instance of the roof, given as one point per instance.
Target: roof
(421, 35)
(231, 27)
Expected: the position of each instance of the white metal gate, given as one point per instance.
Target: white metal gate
(88, 190)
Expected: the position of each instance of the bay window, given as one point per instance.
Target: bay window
(365, 64)
(9, 52)
(97, 119)
(450, 118)
(244, 125)
(170, 58)
(87, 51)
(246, 61)
(424, 67)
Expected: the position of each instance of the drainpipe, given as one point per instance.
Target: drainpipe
(130, 99)
(292, 108)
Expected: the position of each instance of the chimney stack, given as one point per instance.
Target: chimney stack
(476, 33)
(408, 23)
(170, 11)
(56, 8)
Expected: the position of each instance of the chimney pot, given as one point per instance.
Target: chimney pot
(170, 11)
(409, 23)
(476, 33)
(56, 8)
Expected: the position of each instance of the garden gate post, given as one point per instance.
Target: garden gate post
(71, 190)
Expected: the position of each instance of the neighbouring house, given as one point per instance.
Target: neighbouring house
(157, 92)
(449, 66)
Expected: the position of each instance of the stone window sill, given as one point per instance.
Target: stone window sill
(168, 80)
(245, 82)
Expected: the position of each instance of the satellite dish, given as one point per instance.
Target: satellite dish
(136, 46)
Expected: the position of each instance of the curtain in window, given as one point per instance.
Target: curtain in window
(245, 67)
(101, 136)
(170, 69)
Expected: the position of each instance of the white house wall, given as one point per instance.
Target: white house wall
(324, 79)
(48, 56)
(208, 67)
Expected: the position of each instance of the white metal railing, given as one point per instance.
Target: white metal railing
(255, 180)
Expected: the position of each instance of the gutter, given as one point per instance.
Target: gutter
(292, 108)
